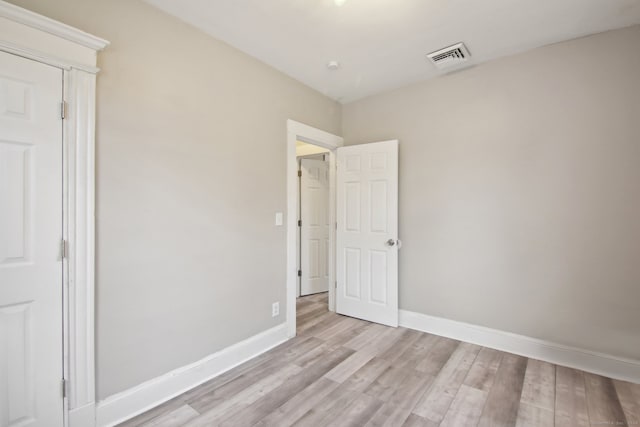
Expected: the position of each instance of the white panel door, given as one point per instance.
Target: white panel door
(30, 250)
(314, 229)
(367, 234)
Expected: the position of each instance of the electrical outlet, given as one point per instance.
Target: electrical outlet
(275, 309)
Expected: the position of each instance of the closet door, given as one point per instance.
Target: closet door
(30, 243)
(314, 227)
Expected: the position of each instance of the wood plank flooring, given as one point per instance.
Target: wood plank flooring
(341, 371)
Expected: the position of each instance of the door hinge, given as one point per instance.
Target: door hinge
(63, 386)
(63, 110)
(299, 273)
(299, 223)
(63, 248)
(299, 173)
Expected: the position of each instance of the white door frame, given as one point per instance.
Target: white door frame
(297, 131)
(39, 38)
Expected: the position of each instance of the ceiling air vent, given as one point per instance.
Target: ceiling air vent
(450, 57)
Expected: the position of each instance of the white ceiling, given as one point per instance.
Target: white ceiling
(381, 44)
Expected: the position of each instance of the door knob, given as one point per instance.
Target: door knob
(390, 242)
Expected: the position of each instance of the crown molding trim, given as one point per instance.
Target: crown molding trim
(48, 25)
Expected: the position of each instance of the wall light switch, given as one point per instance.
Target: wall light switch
(279, 218)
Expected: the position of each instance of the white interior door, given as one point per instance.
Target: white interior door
(314, 227)
(30, 243)
(367, 235)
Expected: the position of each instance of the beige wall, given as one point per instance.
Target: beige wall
(188, 257)
(520, 191)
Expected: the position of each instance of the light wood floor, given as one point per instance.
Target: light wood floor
(341, 371)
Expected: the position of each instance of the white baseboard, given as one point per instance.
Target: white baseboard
(597, 363)
(129, 403)
(83, 417)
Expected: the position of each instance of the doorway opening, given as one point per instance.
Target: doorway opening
(314, 229)
(363, 193)
(310, 153)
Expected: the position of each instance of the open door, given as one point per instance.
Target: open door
(314, 226)
(367, 232)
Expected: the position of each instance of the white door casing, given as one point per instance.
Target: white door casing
(315, 226)
(367, 236)
(30, 243)
(297, 131)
